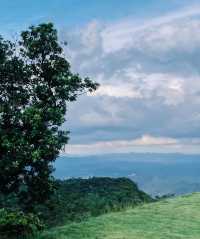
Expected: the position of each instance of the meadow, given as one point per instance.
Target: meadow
(175, 218)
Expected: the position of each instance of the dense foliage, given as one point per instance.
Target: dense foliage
(77, 199)
(15, 224)
(35, 85)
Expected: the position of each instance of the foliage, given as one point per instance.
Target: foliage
(35, 85)
(15, 224)
(77, 199)
(9, 201)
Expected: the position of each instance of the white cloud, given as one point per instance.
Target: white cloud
(146, 143)
(123, 90)
(167, 86)
(172, 28)
(149, 76)
(150, 140)
(170, 88)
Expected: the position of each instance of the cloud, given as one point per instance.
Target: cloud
(146, 143)
(149, 75)
(150, 140)
(170, 88)
(95, 118)
(126, 34)
(123, 90)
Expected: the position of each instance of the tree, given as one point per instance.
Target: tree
(35, 85)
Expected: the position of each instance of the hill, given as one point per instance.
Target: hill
(175, 218)
(77, 199)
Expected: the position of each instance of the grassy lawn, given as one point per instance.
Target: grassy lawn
(170, 219)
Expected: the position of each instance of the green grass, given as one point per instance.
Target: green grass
(170, 219)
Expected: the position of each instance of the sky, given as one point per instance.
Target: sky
(146, 57)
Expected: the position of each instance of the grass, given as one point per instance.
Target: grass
(169, 219)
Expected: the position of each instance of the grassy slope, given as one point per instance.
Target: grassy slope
(170, 219)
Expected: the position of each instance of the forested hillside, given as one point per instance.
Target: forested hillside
(77, 199)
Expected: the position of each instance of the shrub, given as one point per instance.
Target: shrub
(16, 224)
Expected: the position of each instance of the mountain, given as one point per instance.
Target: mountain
(171, 218)
(156, 174)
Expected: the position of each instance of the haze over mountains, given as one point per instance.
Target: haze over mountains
(156, 174)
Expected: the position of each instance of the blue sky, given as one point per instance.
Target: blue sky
(17, 14)
(145, 54)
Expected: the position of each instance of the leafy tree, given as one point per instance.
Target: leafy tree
(35, 85)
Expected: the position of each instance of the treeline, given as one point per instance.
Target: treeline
(77, 199)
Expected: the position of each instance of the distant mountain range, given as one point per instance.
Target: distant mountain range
(156, 174)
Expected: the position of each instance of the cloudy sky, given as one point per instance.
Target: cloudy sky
(146, 56)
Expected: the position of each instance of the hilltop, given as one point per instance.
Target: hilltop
(174, 218)
(77, 199)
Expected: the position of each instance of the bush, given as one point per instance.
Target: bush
(16, 224)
